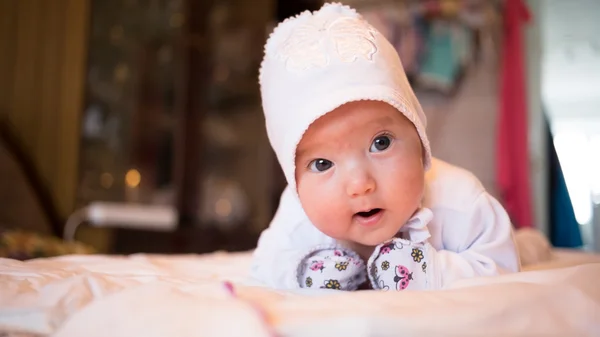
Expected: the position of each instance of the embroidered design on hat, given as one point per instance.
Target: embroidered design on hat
(308, 46)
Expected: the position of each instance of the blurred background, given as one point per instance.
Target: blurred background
(136, 125)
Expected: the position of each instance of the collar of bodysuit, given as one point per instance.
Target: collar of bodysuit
(415, 228)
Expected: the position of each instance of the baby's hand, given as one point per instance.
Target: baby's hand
(331, 268)
(399, 264)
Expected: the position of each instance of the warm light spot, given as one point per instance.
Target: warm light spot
(223, 207)
(449, 8)
(176, 20)
(121, 73)
(106, 180)
(133, 178)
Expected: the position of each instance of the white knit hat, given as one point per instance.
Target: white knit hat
(316, 62)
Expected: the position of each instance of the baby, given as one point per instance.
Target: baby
(365, 199)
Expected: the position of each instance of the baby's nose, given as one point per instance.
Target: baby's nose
(360, 183)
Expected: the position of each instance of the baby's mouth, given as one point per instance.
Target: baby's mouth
(369, 218)
(370, 213)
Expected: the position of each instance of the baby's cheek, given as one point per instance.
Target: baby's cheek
(323, 208)
(327, 218)
(331, 229)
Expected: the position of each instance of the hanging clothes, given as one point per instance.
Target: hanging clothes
(512, 144)
(442, 62)
(406, 41)
(564, 228)
(396, 24)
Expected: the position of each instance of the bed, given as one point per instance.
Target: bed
(557, 294)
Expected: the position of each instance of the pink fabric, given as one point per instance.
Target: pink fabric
(513, 156)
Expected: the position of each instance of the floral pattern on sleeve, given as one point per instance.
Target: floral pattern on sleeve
(331, 268)
(403, 266)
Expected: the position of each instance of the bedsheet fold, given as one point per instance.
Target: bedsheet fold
(156, 295)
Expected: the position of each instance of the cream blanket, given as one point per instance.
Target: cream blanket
(145, 295)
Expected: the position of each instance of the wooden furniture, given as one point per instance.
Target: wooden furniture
(173, 116)
(146, 101)
(43, 52)
(26, 203)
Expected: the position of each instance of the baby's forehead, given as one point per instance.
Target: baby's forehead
(356, 115)
(352, 120)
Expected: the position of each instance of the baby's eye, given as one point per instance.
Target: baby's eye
(380, 144)
(320, 165)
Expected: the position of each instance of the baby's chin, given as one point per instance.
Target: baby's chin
(373, 239)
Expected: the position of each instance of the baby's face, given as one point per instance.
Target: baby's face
(359, 172)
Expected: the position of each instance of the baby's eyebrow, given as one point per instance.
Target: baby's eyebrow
(309, 150)
(382, 121)
(301, 153)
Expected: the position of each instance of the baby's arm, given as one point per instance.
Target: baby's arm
(331, 268)
(481, 245)
(287, 249)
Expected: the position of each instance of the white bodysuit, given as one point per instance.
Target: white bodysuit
(469, 234)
